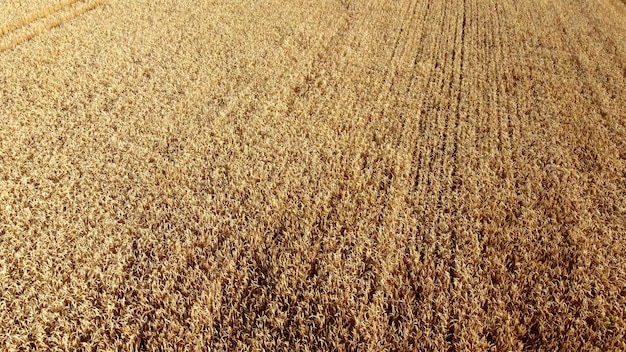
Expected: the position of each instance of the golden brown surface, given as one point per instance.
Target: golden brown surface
(315, 175)
(13, 11)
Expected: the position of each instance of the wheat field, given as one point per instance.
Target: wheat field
(349, 175)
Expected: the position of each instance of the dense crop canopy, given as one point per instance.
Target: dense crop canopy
(313, 175)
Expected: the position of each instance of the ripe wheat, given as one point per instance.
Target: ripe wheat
(314, 175)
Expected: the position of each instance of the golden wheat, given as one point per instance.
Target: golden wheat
(25, 21)
(314, 175)
(73, 13)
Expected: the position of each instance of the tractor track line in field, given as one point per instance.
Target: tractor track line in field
(46, 12)
(452, 270)
(52, 24)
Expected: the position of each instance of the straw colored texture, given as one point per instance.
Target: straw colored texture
(315, 175)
